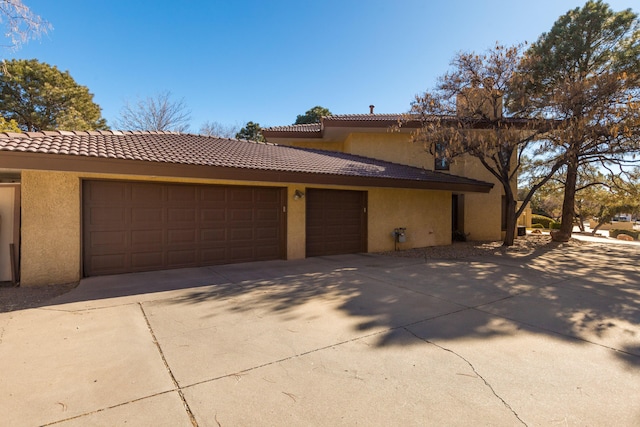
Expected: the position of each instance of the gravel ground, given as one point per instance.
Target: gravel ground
(19, 298)
(523, 246)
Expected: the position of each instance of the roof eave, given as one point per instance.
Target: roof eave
(100, 165)
(290, 134)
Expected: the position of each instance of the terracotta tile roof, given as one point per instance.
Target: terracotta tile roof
(188, 149)
(363, 117)
(361, 120)
(329, 120)
(311, 127)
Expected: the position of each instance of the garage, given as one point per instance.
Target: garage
(143, 226)
(336, 222)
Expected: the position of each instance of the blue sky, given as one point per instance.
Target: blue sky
(268, 61)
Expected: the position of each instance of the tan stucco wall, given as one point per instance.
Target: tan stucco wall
(425, 214)
(313, 143)
(525, 218)
(390, 146)
(50, 229)
(482, 212)
(296, 211)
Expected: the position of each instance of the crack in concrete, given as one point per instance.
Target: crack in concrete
(504, 402)
(192, 418)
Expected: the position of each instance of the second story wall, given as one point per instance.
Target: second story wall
(389, 146)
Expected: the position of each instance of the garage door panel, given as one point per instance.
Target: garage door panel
(263, 233)
(157, 226)
(214, 215)
(184, 257)
(108, 238)
(106, 190)
(240, 195)
(240, 234)
(151, 260)
(181, 214)
(181, 237)
(266, 215)
(210, 256)
(213, 195)
(146, 237)
(107, 214)
(146, 193)
(212, 235)
(181, 194)
(245, 214)
(262, 252)
(146, 214)
(111, 263)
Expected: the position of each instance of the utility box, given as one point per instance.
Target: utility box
(400, 234)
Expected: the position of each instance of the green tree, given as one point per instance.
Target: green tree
(585, 73)
(40, 97)
(9, 125)
(604, 202)
(312, 116)
(251, 131)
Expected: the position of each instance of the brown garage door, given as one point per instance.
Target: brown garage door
(135, 226)
(336, 222)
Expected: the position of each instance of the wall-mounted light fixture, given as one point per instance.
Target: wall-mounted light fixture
(298, 195)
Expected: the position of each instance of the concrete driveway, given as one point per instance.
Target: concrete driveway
(552, 338)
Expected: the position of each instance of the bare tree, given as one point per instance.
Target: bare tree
(20, 23)
(464, 115)
(213, 128)
(155, 113)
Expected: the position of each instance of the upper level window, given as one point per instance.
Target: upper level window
(441, 159)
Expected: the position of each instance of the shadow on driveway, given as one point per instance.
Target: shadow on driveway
(589, 293)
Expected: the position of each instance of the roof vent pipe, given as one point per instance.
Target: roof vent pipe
(371, 107)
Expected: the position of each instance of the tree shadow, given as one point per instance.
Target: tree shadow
(588, 293)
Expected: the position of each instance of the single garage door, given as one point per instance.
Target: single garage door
(137, 226)
(336, 222)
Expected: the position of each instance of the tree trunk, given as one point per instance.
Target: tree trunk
(511, 220)
(569, 202)
(595, 230)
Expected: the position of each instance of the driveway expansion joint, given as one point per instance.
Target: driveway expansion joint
(484, 380)
(97, 411)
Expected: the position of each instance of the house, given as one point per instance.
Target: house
(77, 204)
(477, 214)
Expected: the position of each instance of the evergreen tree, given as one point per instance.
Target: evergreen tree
(40, 97)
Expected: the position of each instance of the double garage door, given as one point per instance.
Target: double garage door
(137, 226)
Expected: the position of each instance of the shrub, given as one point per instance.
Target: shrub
(545, 221)
(536, 225)
(615, 232)
(554, 225)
